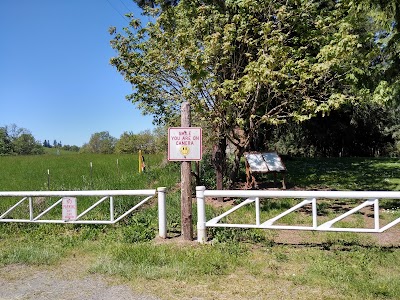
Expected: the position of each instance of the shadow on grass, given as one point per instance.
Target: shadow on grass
(344, 173)
(339, 246)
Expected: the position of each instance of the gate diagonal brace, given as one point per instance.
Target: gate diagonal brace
(271, 221)
(375, 202)
(215, 220)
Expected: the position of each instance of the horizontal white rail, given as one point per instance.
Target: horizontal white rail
(104, 194)
(303, 194)
(371, 198)
(79, 193)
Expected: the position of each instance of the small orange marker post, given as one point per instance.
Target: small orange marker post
(140, 162)
(142, 165)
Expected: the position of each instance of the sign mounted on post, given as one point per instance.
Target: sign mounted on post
(69, 208)
(184, 143)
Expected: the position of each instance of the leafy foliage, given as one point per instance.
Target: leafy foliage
(100, 142)
(244, 65)
(363, 130)
(15, 140)
(150, 142)
(5, 142)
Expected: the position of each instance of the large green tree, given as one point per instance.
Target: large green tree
(130, 142)
(26, 144)
(17, 140)
(245, 64)
(100, 142)
(5, 142)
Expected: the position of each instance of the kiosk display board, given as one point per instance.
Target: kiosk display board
(263, 162)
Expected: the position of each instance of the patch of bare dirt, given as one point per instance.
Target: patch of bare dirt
(69, 281)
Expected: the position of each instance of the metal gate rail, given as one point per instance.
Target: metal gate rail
(371, 198)
(27, 197)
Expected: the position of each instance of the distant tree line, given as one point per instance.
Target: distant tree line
(59, 145)
(15, 140)
(56, 144)
(369, 130)
(148, 141)
(18, 141)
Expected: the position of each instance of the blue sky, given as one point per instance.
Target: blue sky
(55, 76)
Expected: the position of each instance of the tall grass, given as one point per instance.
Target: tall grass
(83, 172)
(359, 272)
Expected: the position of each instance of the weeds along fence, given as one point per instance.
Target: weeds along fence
(34, 206)
(309, 201)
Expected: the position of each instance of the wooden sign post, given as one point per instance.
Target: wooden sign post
(186, 183)
(185, 145)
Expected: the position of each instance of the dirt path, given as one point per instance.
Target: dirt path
(26, 282)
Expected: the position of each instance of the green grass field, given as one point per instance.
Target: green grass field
(239, 264)
(82, 172)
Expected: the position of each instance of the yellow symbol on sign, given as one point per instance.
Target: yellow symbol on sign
(184, 150)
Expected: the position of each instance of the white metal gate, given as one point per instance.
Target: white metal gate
(105, 195)
(371, 198)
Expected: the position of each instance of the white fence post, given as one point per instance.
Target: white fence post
(111, 208)
(376, 213)
(30, 209)
(257, 210)
(201, 215)
(162, 213)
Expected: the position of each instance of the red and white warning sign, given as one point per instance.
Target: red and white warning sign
(69, 208)
(184, 143)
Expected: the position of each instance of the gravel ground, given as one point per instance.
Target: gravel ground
(25, 282)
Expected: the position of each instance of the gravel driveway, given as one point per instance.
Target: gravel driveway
(25, 282)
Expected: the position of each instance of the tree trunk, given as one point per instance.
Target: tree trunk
(236, 165)
(219, 159)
